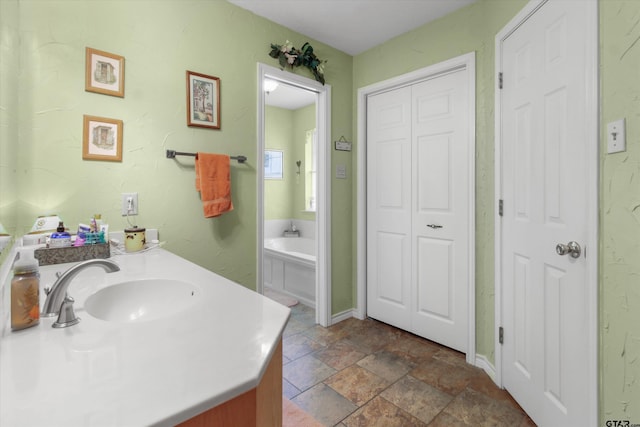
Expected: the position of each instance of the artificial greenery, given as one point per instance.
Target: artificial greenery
(289, 55)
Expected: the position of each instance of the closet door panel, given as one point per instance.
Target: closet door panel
(418, 208)
(389, 207)
(440, 144)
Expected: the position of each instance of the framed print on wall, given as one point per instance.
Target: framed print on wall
(104, 73)
(102, 139)
(203, 100)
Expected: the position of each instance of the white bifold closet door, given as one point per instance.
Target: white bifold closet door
(418, 208)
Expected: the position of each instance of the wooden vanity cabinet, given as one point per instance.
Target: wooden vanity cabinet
(258, 407)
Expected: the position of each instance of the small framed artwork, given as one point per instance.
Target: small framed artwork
(273, 164)
(203, 100)
(102, 139)
(104, 73)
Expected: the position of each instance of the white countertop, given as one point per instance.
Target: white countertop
(159, 372)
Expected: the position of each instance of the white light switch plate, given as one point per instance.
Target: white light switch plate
(341, 171)
(616, 136)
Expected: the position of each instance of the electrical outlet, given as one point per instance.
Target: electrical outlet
(129, 204)
(616, 137)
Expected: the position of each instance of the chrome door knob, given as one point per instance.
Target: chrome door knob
(572, 249)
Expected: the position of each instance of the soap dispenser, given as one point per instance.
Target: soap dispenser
(25, 291)
(60, 239)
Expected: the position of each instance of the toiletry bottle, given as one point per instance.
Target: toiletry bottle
(60, 239)
(80, 239)
(25, 291)
(101, 228)
(98, 220)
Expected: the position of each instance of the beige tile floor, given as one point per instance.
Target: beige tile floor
(367, 373)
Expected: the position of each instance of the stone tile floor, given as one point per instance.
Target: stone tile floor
(367, 373)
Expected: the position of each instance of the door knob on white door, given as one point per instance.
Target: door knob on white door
(434, 226)
(572, 248)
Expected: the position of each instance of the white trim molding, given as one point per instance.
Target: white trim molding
(483, 363)
(323, 196)
(462, 62)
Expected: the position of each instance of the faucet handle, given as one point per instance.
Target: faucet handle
(67, 316)
(47, 289)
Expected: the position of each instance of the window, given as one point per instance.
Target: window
(310, 155)
(273, 164)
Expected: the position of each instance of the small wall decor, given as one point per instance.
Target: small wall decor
(203, 100)
(289, 55)
(342, 144)
(102, 139)
(104, 73)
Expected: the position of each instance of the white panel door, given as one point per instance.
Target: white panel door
(544, 190)
(389, 207)
(417, 208)
(440, 209)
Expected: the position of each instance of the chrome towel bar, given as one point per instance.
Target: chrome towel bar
(171, 154)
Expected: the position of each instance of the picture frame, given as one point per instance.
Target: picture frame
(102, 139)
(203, 100)
(104, 73)
(273, 162)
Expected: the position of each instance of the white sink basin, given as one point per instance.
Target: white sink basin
(142, 300)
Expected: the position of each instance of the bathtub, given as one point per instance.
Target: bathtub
(290, 267)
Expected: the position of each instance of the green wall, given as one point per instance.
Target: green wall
(285, 130)
(619, 291)
(41, 169)
(619, 213)
(278, 135)
(9, 72)
(160, 40)
(448, 37)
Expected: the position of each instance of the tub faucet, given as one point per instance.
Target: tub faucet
(58, 292)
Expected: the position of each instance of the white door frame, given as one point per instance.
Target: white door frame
(466, 61)
(323, 196)
(592, 106)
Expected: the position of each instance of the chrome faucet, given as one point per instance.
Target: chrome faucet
(57, 295)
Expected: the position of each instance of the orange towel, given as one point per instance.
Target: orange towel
(214, 183)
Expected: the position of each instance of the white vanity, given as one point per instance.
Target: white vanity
(216, 356)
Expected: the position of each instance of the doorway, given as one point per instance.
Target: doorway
(319, 201)
(437, 213)
(546, 231)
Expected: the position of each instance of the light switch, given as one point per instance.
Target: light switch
(341, 171)
(616, 137)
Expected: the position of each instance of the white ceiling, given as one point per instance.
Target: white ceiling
(289, 97)
(351, 26)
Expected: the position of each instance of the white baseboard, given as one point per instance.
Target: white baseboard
(337, 318)
(483, 363)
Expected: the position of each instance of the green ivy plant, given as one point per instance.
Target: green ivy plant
(289, 55)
